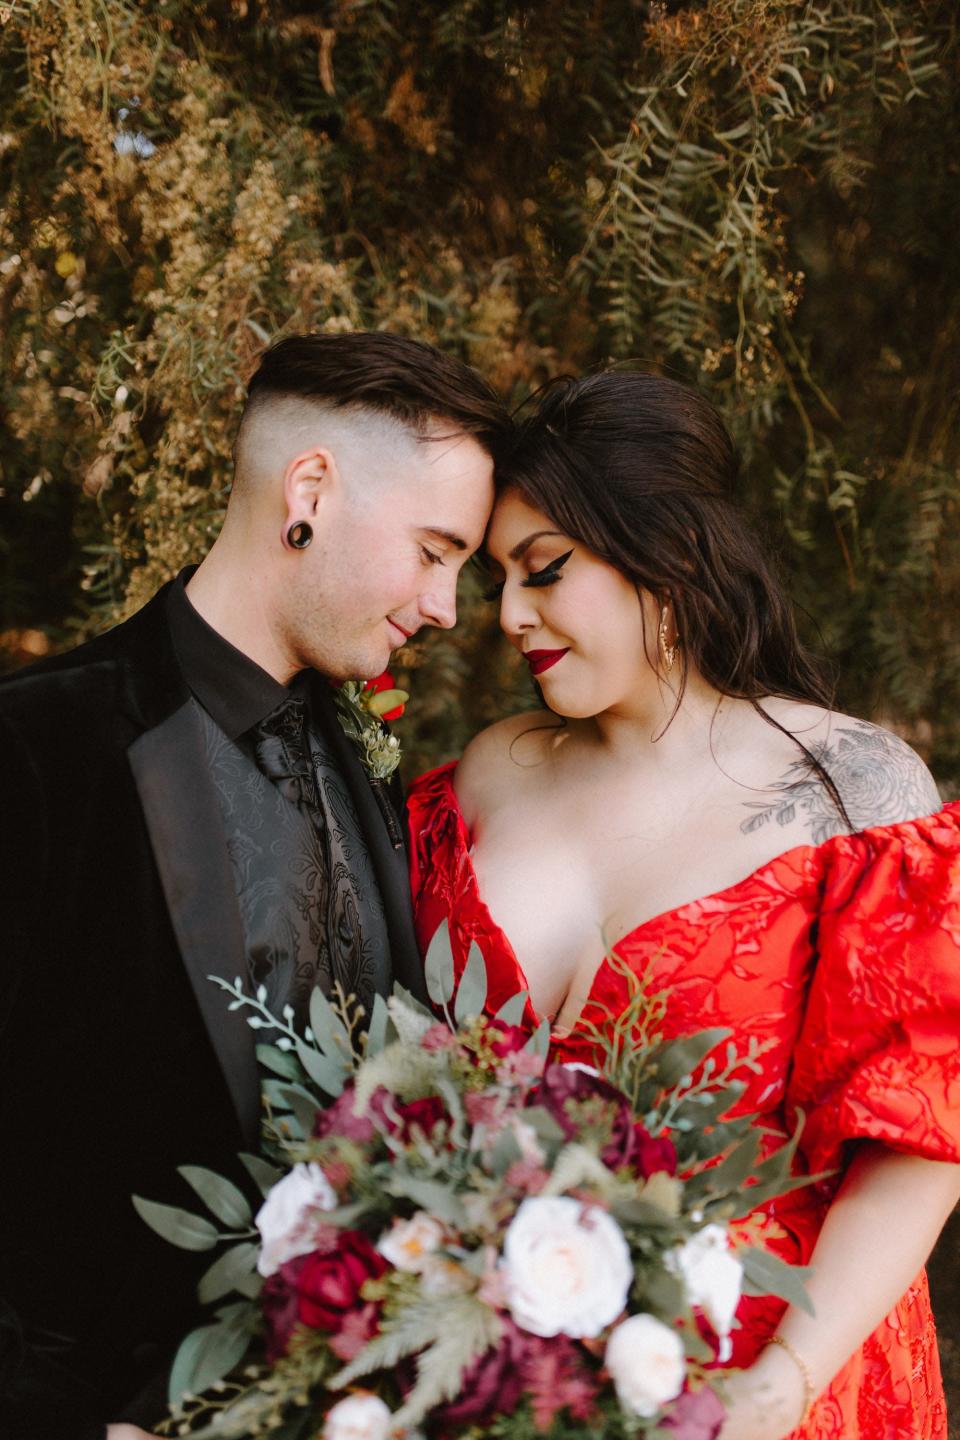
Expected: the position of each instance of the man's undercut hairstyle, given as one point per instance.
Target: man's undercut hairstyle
(405, 380)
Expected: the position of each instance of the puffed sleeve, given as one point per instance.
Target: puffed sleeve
(878, 1055)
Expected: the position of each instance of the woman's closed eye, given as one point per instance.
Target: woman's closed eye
(549, 575)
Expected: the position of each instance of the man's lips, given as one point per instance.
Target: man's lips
(400, 630)
(540, 660)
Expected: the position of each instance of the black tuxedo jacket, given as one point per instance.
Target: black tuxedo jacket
(119, 1059)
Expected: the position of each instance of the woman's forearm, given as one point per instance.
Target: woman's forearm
(876, 1236)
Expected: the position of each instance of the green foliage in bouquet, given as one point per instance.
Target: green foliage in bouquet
(416, 1174)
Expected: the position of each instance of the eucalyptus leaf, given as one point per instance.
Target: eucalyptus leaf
(233, 1270)
(280, 1062)
(431, 1195)
(221, 1196)
(677, 1058)
(188, 1232)
(512, 1011)
(378, 1027)
(438, 968)
(328, 1029)
(303, 1106)
(472, 990)
(539, 1042)
(767, 1274)
(263, 1174)
(324, 1070)
(206, 1356)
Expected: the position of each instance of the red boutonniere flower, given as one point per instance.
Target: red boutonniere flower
(383, 699)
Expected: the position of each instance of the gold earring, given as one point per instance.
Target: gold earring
(668, 653)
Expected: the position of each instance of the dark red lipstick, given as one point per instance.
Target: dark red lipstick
(540, 660)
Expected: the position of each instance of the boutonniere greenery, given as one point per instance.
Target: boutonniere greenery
(362, 706)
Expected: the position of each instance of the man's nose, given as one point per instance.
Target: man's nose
(439, 605)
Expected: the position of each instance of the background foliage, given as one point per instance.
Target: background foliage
(760, 196)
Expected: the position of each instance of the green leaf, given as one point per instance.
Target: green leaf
(281, 1062)
(323, 1069)
(221, 1196)
(377, 1030)
(472, 990)
(328, 1029)
(438, 969)
(431, 1195)
(766, 1274)
(189, 1232)
(512, 1011)
(207, 1355)
(677, 1058)
(233, 1270)
(263, 1174)
(539, 1042)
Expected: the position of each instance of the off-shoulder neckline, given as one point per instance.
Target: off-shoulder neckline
(444, 775)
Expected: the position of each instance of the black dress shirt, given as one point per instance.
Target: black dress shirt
(309, 902)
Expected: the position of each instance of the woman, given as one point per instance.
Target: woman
(777, 867)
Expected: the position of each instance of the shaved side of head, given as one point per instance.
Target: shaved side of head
(277, 428)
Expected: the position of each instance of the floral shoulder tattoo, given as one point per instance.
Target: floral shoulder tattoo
(879, 778)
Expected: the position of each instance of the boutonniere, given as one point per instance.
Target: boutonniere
(362, 706)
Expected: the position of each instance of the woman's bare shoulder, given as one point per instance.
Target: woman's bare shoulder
(879, 777)
(500, 758)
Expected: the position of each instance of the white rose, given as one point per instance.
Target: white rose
(567, 1267)
(289, 1217)
(645, 1359)
(713, 1277)
(408, 1245)
(358, 1417)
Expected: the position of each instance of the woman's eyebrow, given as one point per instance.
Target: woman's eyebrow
(524, 545)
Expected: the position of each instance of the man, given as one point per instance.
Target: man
(179, 801)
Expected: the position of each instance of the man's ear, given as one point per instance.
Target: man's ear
(308, 480)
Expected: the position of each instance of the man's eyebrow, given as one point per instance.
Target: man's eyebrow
(456, 541)
(524, 545)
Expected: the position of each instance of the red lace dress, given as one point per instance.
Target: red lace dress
(847, 956)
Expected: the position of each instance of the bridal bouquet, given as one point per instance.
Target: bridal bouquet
(465, 1237)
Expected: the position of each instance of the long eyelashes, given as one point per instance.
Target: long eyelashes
(549, 575)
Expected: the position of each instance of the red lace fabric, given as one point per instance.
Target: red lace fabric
(846, 955)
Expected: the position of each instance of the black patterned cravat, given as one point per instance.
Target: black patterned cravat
(280, 750)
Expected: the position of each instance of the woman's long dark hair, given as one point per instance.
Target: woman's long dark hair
(642, 471)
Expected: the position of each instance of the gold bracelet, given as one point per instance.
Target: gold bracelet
(809, 1392)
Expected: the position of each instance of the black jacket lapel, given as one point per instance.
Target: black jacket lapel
(183, 818)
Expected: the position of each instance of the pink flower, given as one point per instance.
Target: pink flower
(695, 1415)
(339, 1119)
(438, 1037)
(491, 1385)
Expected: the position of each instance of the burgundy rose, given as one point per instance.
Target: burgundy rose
(329, 1285)
(506, 1039)
(694, 1415)
(630, 1142)
(424, 1114)
(492, 1384)
(563, 1086)
(320, 1290)
(650, 1154)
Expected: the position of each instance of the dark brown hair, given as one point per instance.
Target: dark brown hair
(643, 471)
(405, 379)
